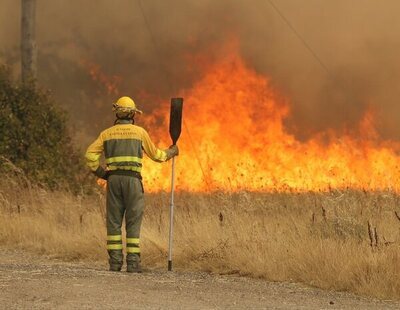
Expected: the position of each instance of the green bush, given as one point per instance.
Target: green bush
(34, 135)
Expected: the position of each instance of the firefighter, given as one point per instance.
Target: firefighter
(123, 145)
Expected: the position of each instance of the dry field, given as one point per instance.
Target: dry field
(339, 240)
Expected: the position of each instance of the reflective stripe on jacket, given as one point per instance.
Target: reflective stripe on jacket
(123, 146)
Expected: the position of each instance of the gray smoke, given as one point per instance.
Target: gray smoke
(356, 40)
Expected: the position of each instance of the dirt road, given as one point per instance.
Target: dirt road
(33, 282)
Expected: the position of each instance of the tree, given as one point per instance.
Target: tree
(28, 42)
(34, 135)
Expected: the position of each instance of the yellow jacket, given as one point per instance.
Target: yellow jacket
(123, 145)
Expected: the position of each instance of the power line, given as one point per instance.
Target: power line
(302, 40)
(156, 50)
(167, 79)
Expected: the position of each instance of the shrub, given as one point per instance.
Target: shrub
(34, 135)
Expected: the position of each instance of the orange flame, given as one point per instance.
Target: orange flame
(97, 75)
(235, 139)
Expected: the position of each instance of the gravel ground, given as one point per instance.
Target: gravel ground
(34, 282)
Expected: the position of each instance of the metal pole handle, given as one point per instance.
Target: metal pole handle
(171, 216)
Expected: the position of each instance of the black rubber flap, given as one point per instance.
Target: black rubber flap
(175, 120)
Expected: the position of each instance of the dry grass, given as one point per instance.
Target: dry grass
(337, 240)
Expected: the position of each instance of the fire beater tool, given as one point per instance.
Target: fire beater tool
(175, 125)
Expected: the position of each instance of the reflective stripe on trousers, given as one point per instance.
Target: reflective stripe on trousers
(124, 197)
(114, 242)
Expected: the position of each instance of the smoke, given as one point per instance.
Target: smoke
(157, 54)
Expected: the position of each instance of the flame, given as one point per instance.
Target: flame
(111, 83)
(234, 138)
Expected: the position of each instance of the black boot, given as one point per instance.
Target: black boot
(134, 267)
(133, 263)
(115, 267)
(116, 260)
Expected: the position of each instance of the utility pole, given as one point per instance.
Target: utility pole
(28, 42)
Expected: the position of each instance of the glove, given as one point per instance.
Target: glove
(102, 183)
(101, 173)
(172, 151)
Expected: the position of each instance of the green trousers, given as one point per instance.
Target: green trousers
(124, 197)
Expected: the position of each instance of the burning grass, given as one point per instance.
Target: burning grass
(341, 240)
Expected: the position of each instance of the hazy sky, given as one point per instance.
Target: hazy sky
(358, 41)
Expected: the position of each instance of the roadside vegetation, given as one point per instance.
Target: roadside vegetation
(337, 240)
(34, 135)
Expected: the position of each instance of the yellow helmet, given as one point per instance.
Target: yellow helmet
(125, 105)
